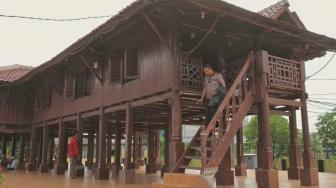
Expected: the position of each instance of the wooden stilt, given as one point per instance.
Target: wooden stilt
(117, 165)
(22, 152)
(157, 150)
(31, 166)
(51, 152)
(129, 172)
(44, 167)
(294, 151)
(60, 165)
(108, 149)
(176, 146)
(240, 168)
(267, 177)
(90, 150)
(151, 168)
(80, 139)
(13, 149)
(102, 171)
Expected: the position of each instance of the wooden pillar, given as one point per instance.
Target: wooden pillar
(39, 149)
(109, 149)
(176, 146)
(267, 177)
(44, 166)
(309, 173)
(224, 175)
(294, 151)
(65, 151)
(13, 149)
(240, 168)
(80, 139)
(151, 167)
(117, 165)
(166, 151)
(102, 171)
(134, 153)
(129, 171)
(31, 166)
(4, 146)
(136, 157)
(51, 152)
(97, 149)
(22, 152)
(157, 150)
(60, 164)
(90, 150)
(139, 150)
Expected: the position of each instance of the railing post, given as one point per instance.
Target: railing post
(266, 175)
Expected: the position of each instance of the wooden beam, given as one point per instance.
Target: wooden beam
(91, 69)
(155, 29)
(152, 99)
(284, 102)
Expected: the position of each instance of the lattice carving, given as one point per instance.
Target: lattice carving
(284, 73)
(192, 72)
(231, 71)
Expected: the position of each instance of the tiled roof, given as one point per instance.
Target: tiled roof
(274, 9)
(11, 73)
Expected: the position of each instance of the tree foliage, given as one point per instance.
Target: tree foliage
(326, 126)
(279, 129)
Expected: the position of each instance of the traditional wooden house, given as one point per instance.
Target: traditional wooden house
(141, 72)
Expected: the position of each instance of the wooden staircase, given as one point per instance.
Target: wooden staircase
(211, 143)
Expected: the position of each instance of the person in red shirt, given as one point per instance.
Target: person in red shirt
(73, 152)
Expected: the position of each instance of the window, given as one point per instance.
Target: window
(79, 84)
(116, 61)
(69, 86)
(124, 66)
(131, 64)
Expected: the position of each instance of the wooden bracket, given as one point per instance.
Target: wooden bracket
(155, 29)
(91, 69)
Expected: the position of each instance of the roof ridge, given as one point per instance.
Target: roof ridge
(274, 8)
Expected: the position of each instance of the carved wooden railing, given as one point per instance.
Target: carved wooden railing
(191, 72)
(227, 120)
(284, 73)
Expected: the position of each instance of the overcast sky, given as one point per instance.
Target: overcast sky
(31, 42)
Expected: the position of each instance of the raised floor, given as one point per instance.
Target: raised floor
(22, 179)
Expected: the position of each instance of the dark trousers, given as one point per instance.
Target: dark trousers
(209, 112)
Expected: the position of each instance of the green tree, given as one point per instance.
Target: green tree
(317, 145)
(279, 129)
(326, 129)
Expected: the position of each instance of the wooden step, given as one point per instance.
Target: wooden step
(169, 185)
(195, 181)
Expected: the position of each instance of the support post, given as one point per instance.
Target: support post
(157, 150)
(109, 149)
(4, 146)
(166, 151)
(117, 165)
(80, 140)
(13, 149)
(176, 146)
(129, 173)
(44, 166)
(309, 173)
(150, 168)
(90, 150)
(102, 171)
(31, 165)
(22, 152)
(294, 151)
(240, 168)
(267, 177)
(60, 164)
(51, 152)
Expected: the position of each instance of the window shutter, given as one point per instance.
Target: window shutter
(88, 82)
(116, 61)
(80, 84)
(69, 86)
(131, 65)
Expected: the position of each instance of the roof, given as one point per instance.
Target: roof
(274, 9)
(12, 73)
(138, 6)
